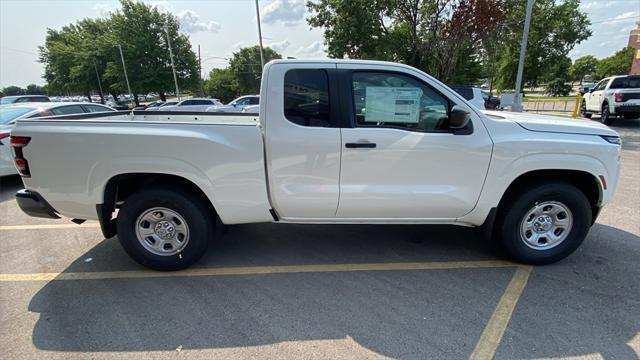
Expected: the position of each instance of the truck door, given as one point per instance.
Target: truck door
(302, 140)
(595, 98)
(399, 158)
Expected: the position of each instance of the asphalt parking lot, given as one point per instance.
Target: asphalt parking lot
(320, 292)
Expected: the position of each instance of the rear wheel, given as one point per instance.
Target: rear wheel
(583, 111)
(545, 223)
(164, 229)
(605, 116)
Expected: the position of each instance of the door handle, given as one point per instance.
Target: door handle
(367, 145)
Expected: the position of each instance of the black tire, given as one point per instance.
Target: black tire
(605, 116)
(192, 209)
(518, 204)
(583, 111)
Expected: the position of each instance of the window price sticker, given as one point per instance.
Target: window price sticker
(392, 104)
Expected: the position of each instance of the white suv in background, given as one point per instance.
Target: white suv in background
(472, 94)
(195, 105)
(612, 96)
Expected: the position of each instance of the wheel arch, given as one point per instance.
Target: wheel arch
(119, 187)
(584, 181)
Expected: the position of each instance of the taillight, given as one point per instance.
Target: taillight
(618, 96)
(17, 143)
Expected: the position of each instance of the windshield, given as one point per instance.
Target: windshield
(9, 114)
(7, 100)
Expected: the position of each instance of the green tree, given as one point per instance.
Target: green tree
(246, 68)
(583, 66)
(442, 37)
(222, 84)
(33, 89)
(13, 90)
(616, 64)
(556, 27)
(139, 29)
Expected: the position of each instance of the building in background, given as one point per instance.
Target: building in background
(634, 42)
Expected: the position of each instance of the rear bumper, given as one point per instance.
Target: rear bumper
(33, 204)
(627, 109)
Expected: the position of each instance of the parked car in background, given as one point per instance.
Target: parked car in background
(118, 105)
(251, 109)
(192, 105)
(585, 88)
(236, 105)
(149, 106)
(6, 160)
(162, 105)
(613, 96)
(473, 94)
(490, 102)
(12, 112)
(23, 98)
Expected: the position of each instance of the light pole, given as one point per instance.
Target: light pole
(175, 78)
(126, 78)
(517, 99)
(260, 37)
(99, 83)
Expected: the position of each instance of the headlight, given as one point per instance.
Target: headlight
(612, 139)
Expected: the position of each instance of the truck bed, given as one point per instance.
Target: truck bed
(78, 155)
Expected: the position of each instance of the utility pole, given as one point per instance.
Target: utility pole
(99, 83)
(175, 78)
(200, 71)
(260, 37)
(126, 78)
(517, 100)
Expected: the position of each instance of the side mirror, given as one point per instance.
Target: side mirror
(459, 118)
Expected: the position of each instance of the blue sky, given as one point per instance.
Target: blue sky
(222, 26)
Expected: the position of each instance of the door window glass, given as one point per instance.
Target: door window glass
(384, 99)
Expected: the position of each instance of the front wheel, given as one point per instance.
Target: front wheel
(164, 229)
(583, 111)
(545, 223)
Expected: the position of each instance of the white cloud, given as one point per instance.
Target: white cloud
(190, 23)
(239, 45)
(103, 9)
(314, 50)
(628, 15)
(287, 12)
(280, 46)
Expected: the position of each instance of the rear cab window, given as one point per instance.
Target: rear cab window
(306, 97)
(627, 82)
(466, 92)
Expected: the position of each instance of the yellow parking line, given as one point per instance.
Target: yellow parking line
(256, 270)
(48, 226)
(493, 332)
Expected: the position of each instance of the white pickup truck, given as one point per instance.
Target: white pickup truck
(611, 97)
(336, 141)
